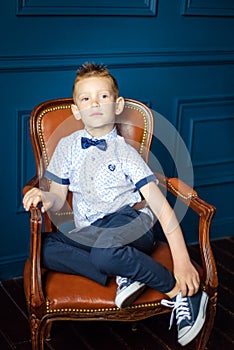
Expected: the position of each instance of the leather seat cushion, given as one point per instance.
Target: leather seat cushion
(77, 292)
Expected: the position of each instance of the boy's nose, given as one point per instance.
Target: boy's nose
(95, 102)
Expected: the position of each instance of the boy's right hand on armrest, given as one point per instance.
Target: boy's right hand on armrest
(35, 196)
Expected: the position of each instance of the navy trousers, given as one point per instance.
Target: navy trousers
(120, 244)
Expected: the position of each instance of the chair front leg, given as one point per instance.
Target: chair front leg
(34, 327)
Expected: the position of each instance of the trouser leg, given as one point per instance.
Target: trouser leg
(130, 260)
(119, 244)
(61, 254)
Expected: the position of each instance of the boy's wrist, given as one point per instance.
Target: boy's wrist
(181, 260)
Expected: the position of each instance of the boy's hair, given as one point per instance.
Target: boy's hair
(88, 70)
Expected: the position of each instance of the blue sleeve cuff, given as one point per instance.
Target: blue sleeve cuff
(55, 178)
(145, 181)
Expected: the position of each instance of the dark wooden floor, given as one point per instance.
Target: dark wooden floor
(151, 334)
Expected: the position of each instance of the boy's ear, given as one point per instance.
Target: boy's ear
(75, 112)
(119, 105)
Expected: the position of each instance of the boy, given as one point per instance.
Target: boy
(110, 238)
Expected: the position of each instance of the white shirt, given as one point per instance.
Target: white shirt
(101, 181)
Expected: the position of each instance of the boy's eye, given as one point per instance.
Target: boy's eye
(84, 99)
(104, 96)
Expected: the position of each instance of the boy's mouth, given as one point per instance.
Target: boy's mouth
(95, 114)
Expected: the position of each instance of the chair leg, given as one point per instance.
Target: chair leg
(203, 338)
(47, 332)
(34, 326)
(44, 333)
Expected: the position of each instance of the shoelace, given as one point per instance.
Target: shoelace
(180, 305)
(121, 280)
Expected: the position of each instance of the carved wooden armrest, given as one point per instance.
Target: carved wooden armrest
(206, 212)
(36, 291)
(30, 184)
(176, 186)
(36, 182)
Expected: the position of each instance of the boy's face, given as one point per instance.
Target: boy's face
(96, 105)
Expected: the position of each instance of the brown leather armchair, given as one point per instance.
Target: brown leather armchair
(54, 296)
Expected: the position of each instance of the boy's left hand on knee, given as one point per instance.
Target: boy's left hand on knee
(188, 279)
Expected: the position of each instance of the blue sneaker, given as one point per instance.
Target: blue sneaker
(127, 291)
(190, 315)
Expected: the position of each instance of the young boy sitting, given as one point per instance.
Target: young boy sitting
(110, 238)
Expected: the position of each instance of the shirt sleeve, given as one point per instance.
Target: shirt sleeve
(137, 169)
(58, 169)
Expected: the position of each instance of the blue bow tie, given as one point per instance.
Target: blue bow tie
(86, 143)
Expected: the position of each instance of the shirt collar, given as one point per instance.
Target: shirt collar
(107, 137)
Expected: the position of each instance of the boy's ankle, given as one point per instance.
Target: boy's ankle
(173, 292)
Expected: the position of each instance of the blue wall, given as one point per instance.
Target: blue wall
(175, 55)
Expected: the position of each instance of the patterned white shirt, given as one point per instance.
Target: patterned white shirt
(101, 181)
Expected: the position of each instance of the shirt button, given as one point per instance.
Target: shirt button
(93, 158)
(91, 178)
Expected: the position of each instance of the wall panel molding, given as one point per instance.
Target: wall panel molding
(221, 8)
(87, 8)
(202, 122)
(115, 60)
(25, 159)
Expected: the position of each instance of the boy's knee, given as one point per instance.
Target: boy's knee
(103, 258)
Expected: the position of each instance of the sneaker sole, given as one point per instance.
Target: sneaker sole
(133, 292)
(193, 332)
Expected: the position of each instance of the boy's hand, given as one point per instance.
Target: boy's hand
(187, 278)
(35, 196)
